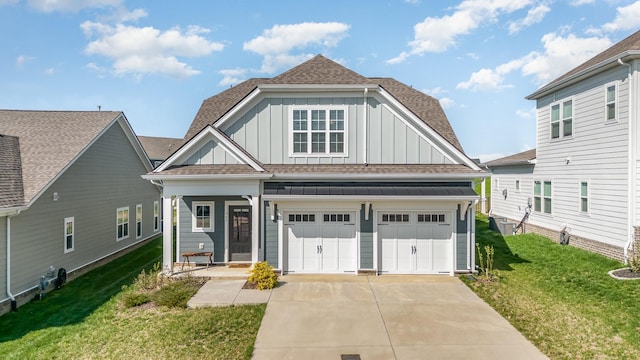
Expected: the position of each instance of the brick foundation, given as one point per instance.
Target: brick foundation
(34, 293)
(610, 251)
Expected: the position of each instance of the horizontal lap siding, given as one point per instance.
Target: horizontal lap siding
(514, 206)
(598, 154)
(104, 178)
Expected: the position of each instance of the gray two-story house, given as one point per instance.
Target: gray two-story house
(322, 170)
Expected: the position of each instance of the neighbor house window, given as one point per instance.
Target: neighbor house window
(562, 119)
(202, 216)
(611, 102)
(156, 215)
(69, 234)
(122, 223)
(318, 131)
(542, 196)
(517, 185)
(138, 220)
(584, 196)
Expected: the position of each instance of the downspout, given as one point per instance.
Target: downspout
(13, 298)
(365, 127)
(631, 175)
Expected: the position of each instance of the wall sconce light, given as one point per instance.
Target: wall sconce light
(55, 196)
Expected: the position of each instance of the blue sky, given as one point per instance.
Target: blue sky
(158, 60)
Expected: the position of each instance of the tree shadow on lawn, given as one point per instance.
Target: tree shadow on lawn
(503, 256)
(79, 298)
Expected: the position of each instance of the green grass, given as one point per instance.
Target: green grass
(85, 320)
(561, 298)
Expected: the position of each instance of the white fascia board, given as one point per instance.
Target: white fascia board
(11, 211)
(133, 139)
(317, 87)
(366, 198)
(244, 103)
(209, 131)
(443, 142)
(391, 176)
(207, 177)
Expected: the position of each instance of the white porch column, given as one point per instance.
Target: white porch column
(167, 235)
(255, 228)
(483, 196)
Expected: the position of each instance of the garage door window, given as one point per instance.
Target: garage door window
(431, 218)
(336, 217)
(394, 218)
(302, 217)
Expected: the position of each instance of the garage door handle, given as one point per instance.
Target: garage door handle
(320, 246)
(413, 249)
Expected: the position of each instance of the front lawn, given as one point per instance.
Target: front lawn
(85, 320)
(561, 298)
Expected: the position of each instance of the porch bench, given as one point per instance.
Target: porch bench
(187, 255)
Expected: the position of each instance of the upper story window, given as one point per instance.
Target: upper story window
(562, 119)
(318, 131)
(542, 196)
(610, 100)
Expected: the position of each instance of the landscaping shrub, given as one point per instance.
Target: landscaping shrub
(263, 276)
(134, 298)
(176, 293)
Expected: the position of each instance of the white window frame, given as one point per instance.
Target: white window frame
(138, 222)
(327, 131)
(194, 217)
(124, 224)
(562, 119)
(73, 234)
(586, 197)
(608, 103)
(543, 197)
(156, 215)
(517, 186)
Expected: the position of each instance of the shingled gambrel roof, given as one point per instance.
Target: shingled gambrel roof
(50, 140)
(11, 191)
(322, 71)
(621, 48)
(523, 158)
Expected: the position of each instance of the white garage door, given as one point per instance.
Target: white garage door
(415, 242)
(320, 242)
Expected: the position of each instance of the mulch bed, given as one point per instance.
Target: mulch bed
(625, 274)
(250, 285)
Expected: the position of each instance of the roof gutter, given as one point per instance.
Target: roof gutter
(390, 176)
(370, 197)
(161, 177)
(631, 163)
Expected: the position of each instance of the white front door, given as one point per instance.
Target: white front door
(320, 242)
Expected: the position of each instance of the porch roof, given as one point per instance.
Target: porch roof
(365, 189)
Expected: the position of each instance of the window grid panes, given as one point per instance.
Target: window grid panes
(395, 217)
(584, 196)
(203, 216)
(68, 234)
(611, 102)
(318, 131)
(431, 218)
(336, 217)
(122, 223)
(302, 217)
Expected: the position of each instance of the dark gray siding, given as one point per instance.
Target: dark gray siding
(461, 241)
(3, 257)
(104, 178)
(366, 239)
(213, 241)
(270, 237)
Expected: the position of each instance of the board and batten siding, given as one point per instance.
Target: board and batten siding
(104, 178)
(366, 238)
(263, 131)
(271, 237)
(462, 241)
(597, 153)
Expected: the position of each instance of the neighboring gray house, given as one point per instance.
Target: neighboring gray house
(70, 195)
(158, 149)
(586, 175)
(322, 170)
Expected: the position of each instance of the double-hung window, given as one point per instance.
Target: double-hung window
(584, 197)
(138, 220)
(202, 216)
(562, 119)
(542, 196)
(318, 131)
(69, 234)
(610, 100)
(156, 215)
(122, 223)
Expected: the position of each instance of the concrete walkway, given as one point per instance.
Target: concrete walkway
(220, 292)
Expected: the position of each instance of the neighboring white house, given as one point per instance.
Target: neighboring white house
(585, 174)
(71, 196)
(322, 170)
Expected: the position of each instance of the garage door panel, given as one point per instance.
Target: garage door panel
(295, 249)
(389, 254)
(424, 254)
(441, 255)
(329, 254)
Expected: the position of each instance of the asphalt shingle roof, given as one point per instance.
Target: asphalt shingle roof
(159, 148)
(50, 140)
(322, 71)
(11, 191)
(522, 158)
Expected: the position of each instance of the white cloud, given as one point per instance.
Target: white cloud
(526, 114)
(534, 16)
(22, 59)
(438, 34)
(232, 76)
(49, 71)
(627, 18)
(446, 102)
(146, 50)
(435, 91)
(71, 5)
(581, 2)
(8, 2)
(275, 44)
(561, 54)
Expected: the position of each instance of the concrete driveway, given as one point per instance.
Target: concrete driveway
(384, 317)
